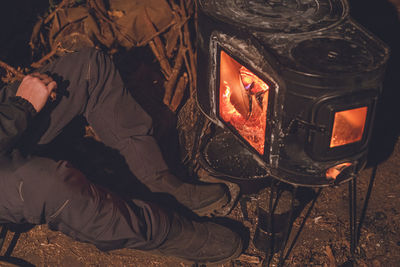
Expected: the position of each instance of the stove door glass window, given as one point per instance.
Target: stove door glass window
(348, 126)
(243, 101)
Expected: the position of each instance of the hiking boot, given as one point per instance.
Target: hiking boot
(201, 242)
(202, 199)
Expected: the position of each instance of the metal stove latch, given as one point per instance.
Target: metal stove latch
(310, 126)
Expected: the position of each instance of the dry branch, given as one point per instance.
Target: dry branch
(40, 62)
(19, 76)
(188, 43)
(179, 92)
(249, 259)
(331, 259)
(174, 75)
(191, 78)
(176, 64)
(158, 49)
(16, 73)
(154, 35)
(60, 6)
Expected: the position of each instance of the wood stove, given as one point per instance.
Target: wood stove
(286, 88)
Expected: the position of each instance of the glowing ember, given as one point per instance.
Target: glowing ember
(243, 101)
(332, 173)
(348, 126)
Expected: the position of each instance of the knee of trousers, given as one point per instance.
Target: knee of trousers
(60, 195)
(46, 187)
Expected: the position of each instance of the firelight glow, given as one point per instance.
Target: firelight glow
(243, 101)
(348, 126)
(333, 173)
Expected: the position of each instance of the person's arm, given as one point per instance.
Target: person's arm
(16, 112)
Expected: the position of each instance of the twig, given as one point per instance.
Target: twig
(178, 29)
(39, 63)
(172, 39)
(188, 44)
(158, 50)
(19, 75)
(142, 43)
(331, 258)
(174, 75)
(191, 62)
(249, 259)
(60, 6)
(179, 91)
(191, 79)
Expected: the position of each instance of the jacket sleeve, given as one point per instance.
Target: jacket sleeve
(15, 115)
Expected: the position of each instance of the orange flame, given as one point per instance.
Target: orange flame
(333, 172)
(348, 126)
(243, 101)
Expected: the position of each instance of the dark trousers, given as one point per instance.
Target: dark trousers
(39, 190)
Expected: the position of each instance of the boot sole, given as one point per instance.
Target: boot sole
(209, 263)
(235, 255)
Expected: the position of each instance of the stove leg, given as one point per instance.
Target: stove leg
(355, 229)
(353, 214)
(6, 257)
(273, 199)
(302, 224)
(365, 206)
(288, 227)
(3, 235)
(272, 205)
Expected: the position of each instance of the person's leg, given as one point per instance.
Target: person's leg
(43, 191)
(40, 190)
(91, 85)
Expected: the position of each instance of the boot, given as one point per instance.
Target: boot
(202, 199)
(201, 242)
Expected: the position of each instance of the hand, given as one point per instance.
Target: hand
(36, 88)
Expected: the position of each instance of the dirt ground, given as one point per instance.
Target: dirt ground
(324, 241)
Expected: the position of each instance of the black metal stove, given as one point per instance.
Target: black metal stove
(292, 85)
(286, 89)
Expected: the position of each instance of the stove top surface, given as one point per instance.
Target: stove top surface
(288, 16)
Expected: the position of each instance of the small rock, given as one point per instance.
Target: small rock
(380, 216)
(376, 263)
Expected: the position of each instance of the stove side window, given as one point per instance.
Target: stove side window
(243, 101)
(348, 126)
(347, 120)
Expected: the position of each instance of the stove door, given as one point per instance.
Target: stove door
(243, 101)
(346, 122)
